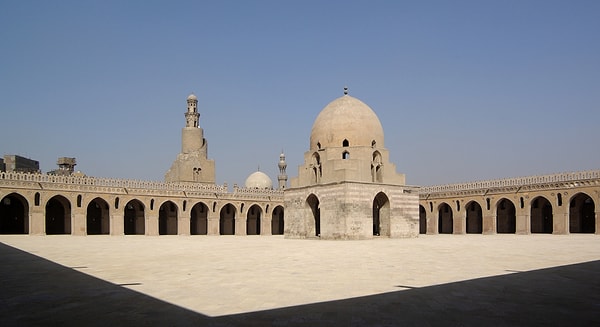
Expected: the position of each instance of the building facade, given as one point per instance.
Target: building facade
(346, 189)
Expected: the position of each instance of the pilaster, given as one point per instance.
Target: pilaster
(79, 221)
(152, 223)
(460, 223)
(489, 223)
(213, 223)
(117, 222)
(240, 225)
(37, 221)
(560, 220)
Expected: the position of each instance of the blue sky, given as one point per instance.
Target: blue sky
(465, 90)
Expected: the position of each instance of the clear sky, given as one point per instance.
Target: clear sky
(465, 90)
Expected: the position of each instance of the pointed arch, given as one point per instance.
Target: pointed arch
(58, 215)
(97, 218)
(167, 218)
(315, 165)
(14, 214)
(422, 220)
(506, 217)
(377, 168)
(445, 219)
(199, 219)
(134, 217)
(227, 220)
(474, 218)
(582, 214)
(541, 215)
(253, 217)
(381, 215)
(277, 223)
(312, 203)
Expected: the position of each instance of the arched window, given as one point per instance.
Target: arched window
(559, 199)
(346, 155)
(345, 143)
(373, 143)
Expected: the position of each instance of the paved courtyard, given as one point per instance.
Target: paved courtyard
(501, 280)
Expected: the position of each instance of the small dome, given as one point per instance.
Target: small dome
(259, 180)
(346, 121)
(192, 97)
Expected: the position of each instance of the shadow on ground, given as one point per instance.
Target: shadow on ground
(35, 291)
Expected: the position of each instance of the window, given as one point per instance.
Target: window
(346, 155)
(345, 143)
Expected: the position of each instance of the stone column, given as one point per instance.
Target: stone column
(152, 223)
(240, 225)
(37, 220)
(523, 225)
(117, 222)
(213, 223)
(597, 214)
(432, 222)
(560, 220)
(78, 221)
(183, 222)
(460, 222)
(489, 223)
(266, 224)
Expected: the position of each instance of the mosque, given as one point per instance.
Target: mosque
(346, 189)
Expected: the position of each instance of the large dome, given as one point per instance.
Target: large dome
(259, 180)
(346, 119)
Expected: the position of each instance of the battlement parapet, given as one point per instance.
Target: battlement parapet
(113, 183)
(559, 180)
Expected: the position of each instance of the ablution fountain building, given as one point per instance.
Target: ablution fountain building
(346, 189)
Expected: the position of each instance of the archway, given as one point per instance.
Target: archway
(422, 220)
(58, 215)
(316, 168)
(277, 223)
(97, 217)
(582, 214)
(253, 216)
(474, 218)
(167, 219)
(541, 215)
(134, 218)
(313, 203)
(445, 219)
(14, 215)
(381, 215)
(506, 217)
(227, 220)
(199, 219)
(377, 168)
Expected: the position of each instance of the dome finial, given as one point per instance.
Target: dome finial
(345, 90)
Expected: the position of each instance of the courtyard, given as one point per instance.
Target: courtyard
(501, 280)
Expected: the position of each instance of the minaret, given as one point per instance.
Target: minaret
(192, 164)
(192, 116)
(282, 177)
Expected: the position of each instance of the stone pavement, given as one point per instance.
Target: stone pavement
(433, 280)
